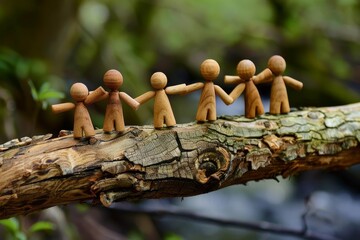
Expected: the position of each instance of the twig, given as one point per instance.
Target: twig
(256, 226)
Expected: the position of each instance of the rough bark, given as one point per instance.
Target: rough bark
(186, 160)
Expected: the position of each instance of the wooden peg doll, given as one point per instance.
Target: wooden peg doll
(114, 118)
(163, 113)
(279, 102)
(210, 70)
(82, 121)
(246, 70)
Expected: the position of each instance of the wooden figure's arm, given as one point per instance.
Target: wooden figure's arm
(145, 97)
(176, 89)
(263, 77)
(223, 95)
(297, 85)
(193, 87)
(228, 79)
(62, 107)
(129, 100)
(238, 90)
(96, 95)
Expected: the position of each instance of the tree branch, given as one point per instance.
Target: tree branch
(186, 160)
(267, 227)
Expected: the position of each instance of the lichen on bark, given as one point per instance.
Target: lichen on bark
(185, 160)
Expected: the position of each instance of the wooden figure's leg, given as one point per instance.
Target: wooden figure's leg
(201, 114)
(88, 130)
(260, 109)
(285, 107)
(251, 105)
(119, 124)
(158, 121)
(211, 115)
(254, 108)
(113, 120)
(169, 120)
(275, 107)
(278, 96)
(250, 112)
(108, 125)
(77, 130)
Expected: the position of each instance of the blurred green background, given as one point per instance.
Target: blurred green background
(63, 42)
(46, 46)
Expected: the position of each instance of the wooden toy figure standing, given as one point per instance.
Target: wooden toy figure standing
(114, 118)
(163, 113)
(82, 121)
(279, 102)
(246, 70)
(210, 70)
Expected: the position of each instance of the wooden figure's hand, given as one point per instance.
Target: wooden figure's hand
(145, 97)
(62, 107)
(263, 77)
(193, 87)
(96, 95)
(223, 95)
(129, 100)
(297, 85)
(176, 89)
(228, 79)
(238, 90)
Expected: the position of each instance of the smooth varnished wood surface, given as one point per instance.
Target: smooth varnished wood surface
(207, 104)
(62, 107)
(114, 116)
(163, 113)
(206, 111)
(279, 102)
(83, 126)
(253, 105)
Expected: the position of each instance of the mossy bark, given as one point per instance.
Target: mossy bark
(186, 160)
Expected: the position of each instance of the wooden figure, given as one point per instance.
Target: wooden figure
(163, 113)
(279, 102)
(210, 70)
(246, 70)
(82, 121)
(114, 118)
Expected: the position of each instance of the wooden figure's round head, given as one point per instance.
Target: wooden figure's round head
(210, 69)
(277, 65)
(158, 80)
(113, 79)
(79, 92)
(246, 69)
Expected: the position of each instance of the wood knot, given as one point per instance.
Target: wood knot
(212, 164)
(93, 140)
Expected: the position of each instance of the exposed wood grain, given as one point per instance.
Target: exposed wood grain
(181, 161)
